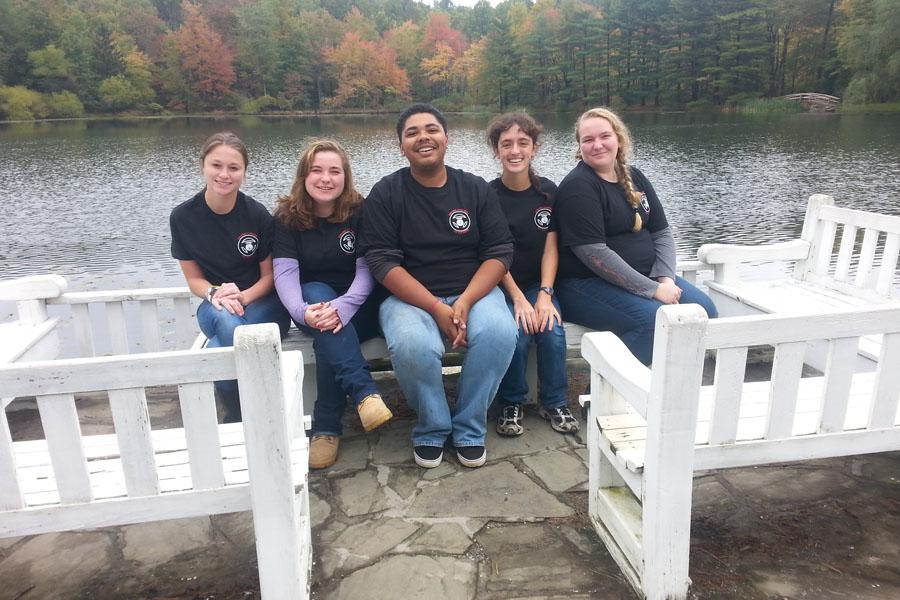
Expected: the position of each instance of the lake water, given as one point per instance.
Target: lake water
(90, 200)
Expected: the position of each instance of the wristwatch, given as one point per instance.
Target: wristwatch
(209, 293)
(547, 290)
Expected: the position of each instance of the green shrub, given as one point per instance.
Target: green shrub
(64, 105)
(18, 103)
(260, 105)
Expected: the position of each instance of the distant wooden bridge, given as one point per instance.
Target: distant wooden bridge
(816, 102)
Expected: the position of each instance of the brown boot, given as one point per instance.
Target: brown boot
(373, 412)
(323, 451)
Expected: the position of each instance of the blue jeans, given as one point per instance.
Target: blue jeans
(551, 362)
(416, 348)
(341, 369)
(218, 325)
(604, 306)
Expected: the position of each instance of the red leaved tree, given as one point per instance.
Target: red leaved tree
(204, 59)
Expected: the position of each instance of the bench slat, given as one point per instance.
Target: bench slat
(184, 322)
(118, 335)
(150, 325)
(10, 492)
(885, 410)
(848, 243)
(861, 218)
(827, 231)
(866, 258)
(888, 267)
(731, 363)
(838, 375)
(116, 372)
(81, 321)
(132, 421)
(786, 369)
(198, 413)
(59, 420)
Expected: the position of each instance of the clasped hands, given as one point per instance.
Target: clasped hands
(324, 317)
(229, 297)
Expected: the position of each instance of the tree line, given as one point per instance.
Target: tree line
(62, 58)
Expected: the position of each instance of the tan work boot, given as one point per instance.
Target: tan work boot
(323, 451)
(373, 412)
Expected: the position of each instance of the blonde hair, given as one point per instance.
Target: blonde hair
(623, 172)
(296, 209)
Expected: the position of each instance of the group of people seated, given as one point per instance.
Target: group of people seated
(435, 255)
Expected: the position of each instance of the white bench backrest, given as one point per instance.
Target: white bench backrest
(264, 372)
(791, 335)
(868, 242)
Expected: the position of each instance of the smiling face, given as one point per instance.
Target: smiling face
(325, 181)
(515, 149)
(423, 142)
(598, 144)
(223, 170)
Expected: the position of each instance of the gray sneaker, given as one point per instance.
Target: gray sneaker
(509, 423)
(561, 419)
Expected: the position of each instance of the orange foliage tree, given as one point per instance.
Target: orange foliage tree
(367, 73)
(205, 60)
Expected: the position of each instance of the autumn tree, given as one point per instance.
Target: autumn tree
(204, 60)
(367, 73)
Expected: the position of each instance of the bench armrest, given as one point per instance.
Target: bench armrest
(716, 254)
(610, 359)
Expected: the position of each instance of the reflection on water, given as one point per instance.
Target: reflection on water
(90, 200)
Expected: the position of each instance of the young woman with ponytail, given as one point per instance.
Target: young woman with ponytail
(617, 253)
(527, 202)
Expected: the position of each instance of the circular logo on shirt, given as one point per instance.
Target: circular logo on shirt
(248, 243)
(542, 217)
(459, 220)
(645, 204)
(347, 240)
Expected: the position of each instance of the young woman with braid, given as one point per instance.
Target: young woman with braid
(617, 254)
(327, 289)
(527, 202)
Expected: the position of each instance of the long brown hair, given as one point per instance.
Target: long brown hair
(296, 209)
(623, 173)
(529, 127)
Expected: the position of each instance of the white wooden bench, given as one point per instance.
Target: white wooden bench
(649, 430)
(149, 320)
(138, 474)
(860, 270)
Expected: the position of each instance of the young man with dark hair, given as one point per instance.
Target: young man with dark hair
(436, 238)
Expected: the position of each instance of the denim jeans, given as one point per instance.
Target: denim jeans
(604, 306)
(341, 369)
(218, 325)
(551, 362)
(416, 347)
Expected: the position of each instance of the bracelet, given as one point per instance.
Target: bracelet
(211, 292)
(433, 306)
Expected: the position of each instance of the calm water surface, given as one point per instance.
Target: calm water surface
(91, 200)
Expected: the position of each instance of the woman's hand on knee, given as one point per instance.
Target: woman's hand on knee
(232, 304)
(445, 317)
(546, 314)
(667, 292)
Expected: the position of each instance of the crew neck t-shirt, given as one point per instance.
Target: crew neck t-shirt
(440, 235)
(229, 247)
(591, 210)
(529, 214)
(325, 253)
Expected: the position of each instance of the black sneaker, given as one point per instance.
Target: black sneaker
(509, 423)
(428, 457)
(561, 419)
(471, 456)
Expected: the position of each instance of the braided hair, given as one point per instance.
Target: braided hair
(623, 172)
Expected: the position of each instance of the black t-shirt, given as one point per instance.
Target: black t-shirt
(530, 217)
(227, 247)
(591, 210)
(326, 253)
(443, 234)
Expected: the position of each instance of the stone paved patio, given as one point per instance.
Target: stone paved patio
(515, 528)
